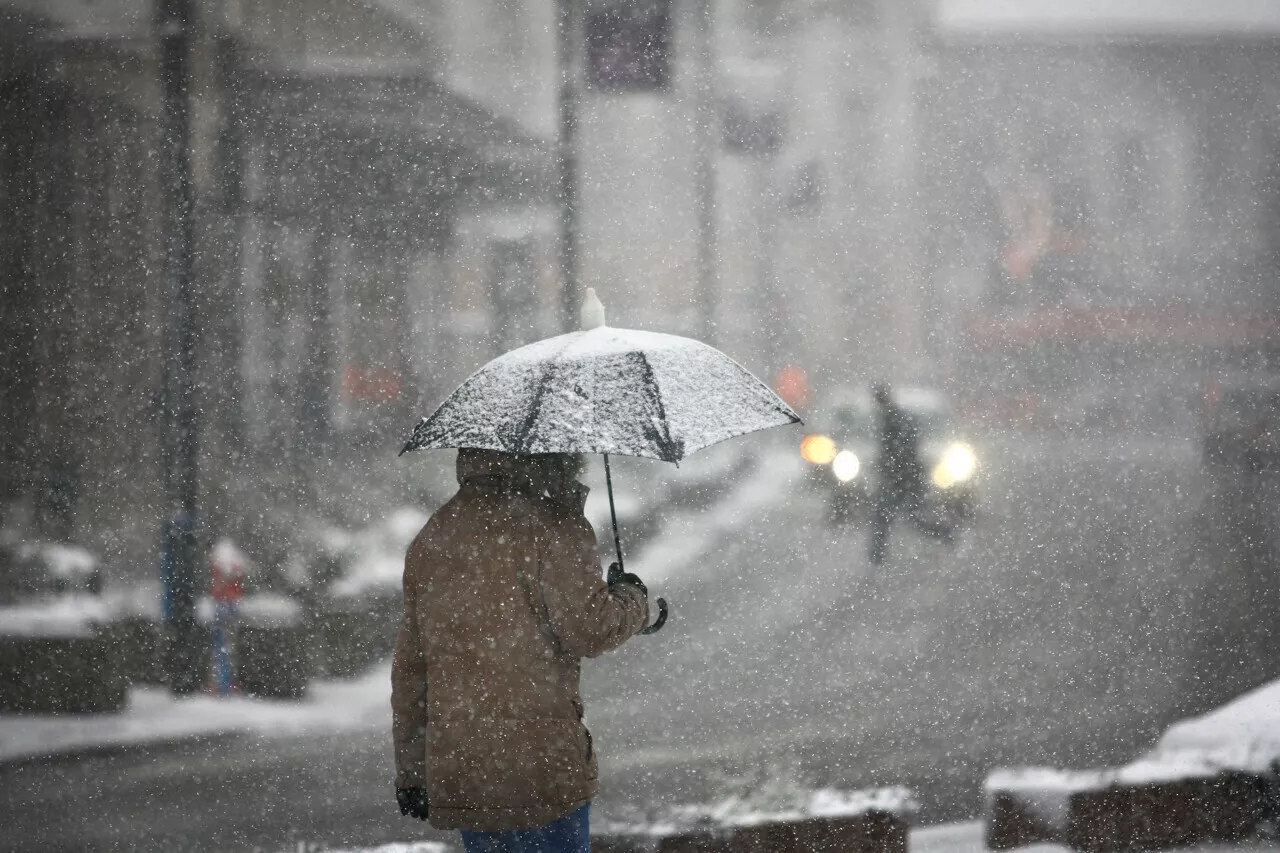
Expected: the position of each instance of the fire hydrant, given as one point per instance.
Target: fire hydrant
(228, 566)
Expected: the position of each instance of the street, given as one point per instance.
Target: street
(1098, 599)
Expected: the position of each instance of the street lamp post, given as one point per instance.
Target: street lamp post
(175, 22)
(568, 30)
(706, 107)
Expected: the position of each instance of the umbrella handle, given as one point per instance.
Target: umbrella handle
(617, 544)
(660, 621)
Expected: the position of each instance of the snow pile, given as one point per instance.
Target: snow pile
(138, 602)
(1241, 735)
(259, 610)
(55, 616)
(800, 805)
(374, 557)
(63, 561)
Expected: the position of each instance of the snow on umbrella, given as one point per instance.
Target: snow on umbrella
(604, 390)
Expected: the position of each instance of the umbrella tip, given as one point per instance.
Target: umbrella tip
(592, 315)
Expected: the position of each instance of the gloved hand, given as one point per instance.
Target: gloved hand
(413, 802)
(617, 575)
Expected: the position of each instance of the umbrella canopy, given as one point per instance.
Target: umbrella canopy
(605, 390)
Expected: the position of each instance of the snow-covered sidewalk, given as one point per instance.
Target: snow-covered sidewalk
(155, 716)
(964, 837)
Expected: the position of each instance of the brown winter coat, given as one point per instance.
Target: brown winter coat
(502, 598)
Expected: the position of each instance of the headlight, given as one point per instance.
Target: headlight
(845, 466)
(818, 449)
(956, 466)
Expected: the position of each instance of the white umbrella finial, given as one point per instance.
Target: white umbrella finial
(592, 315)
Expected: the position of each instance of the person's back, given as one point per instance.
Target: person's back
(503, 597)
(901, 481)
(899, 451)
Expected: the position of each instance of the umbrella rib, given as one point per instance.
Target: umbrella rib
(535, 406)
(666, 445)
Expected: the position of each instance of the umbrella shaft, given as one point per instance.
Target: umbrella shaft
(613, 515)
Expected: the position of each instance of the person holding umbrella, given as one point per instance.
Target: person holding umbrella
(502, 589)
(503, 598)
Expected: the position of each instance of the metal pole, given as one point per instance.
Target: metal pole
(175, 22)
(905, 296)
(708, 144)
(613, 515)
(569, 31)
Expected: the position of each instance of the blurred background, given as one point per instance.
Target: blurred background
(1028, 203)
(248, 243)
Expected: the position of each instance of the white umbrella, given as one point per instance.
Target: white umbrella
(604, 390)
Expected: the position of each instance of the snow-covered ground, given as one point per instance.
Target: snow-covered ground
(1243, 731)
(687, 536)
(154, 715)
(964, 837)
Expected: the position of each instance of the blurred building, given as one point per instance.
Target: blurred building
(905, 189)
(1103, 195)
(333, 166)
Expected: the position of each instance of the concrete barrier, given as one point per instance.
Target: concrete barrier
(350, 637)
(1159, 814)
(138, 646)
(1010, 823)
(51, 675)
(1030, 805)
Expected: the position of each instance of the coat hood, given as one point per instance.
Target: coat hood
(495, 469)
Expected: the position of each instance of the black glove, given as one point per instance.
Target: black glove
(413, 802)
(617, 575)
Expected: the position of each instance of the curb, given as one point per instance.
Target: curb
(869, 832)
(59, 755)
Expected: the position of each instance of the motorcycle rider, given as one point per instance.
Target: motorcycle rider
(901, 475)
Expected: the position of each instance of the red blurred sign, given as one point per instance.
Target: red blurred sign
(371, 384)
(792, 385)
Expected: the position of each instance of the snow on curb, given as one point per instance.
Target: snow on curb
(1032, 804)
(395, 847)
(1244, 734)
(868, 821)
(155, 716)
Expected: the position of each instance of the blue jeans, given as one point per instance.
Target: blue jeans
(569, 834)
